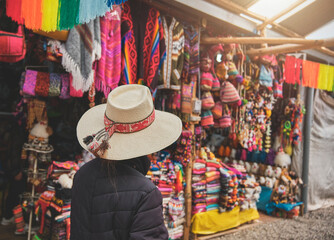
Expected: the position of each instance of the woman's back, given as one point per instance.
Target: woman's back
(100, 212)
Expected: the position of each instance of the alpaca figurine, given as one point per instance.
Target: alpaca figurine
(255, 168)
(277, 172)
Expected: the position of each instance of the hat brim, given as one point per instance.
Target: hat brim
(165, 130)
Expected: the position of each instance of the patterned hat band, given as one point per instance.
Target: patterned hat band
(98, 142)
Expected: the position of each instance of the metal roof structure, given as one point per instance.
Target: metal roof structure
(236, 14)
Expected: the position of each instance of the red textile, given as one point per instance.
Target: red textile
(292, 69)
(13, 10)
(310, 74)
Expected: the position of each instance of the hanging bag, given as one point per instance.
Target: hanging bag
(12, 46)
(266, 76)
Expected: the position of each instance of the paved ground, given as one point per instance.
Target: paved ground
(314, 225)
(317, 225)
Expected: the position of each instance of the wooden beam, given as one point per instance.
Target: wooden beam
(286, 48)
(236, 8)
(280, 14)
(261, 40)
(326, 50)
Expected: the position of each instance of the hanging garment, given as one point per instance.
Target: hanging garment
(13, 10)
(143, 44)
(310, 74)
(50, 15)
(292, 69)
(108, 68)
(81, 50)
(326, 77)
(89, 9)
(191, 52)
(173, 64)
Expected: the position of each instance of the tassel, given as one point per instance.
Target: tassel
(89, 139)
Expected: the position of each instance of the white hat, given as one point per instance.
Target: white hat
(127, 126)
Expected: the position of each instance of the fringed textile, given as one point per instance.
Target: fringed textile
(310, 74)
(50, 15)
(91, 9)
(326, 77)
(68, 14)
(141, 66)
(31, 12)
(13, 10)
(81, 50)
(114, 2)
(108, 68)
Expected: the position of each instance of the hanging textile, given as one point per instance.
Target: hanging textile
(326, 77)
(292, 69)
(50, 15)
(108, 68)
(310, 74)
(191, 51)
(173, 63)
(142, 44)
(31, 12)
(91, 9)
(110, 3)
(13, 10)
(68, 14)
(82, 48)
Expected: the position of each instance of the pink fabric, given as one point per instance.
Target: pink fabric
(65, 89)
(73, 91)
(108, 68)
(30, 82)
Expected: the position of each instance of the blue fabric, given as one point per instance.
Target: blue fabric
(264, 198)
(265, 77)
(270, 207)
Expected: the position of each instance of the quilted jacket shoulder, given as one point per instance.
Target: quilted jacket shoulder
(132, 210)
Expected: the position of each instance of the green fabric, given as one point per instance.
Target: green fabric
(68, 14)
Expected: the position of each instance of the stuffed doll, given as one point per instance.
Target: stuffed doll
(270, 182)
(269, 172)
(282, 159)
(255, 168)
(277, 172)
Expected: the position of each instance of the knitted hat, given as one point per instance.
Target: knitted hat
(217, 110)
(215, 84)
(228, 93)
(206, 81)
(232, 70)
(206, 64)
(221, 71)
(207, 119)
(207, 100)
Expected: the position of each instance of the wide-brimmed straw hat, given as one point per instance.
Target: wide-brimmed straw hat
(127, 126)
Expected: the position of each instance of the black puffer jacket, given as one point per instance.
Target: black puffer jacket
(133, 211)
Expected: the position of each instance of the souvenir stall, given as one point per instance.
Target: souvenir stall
(242, 114)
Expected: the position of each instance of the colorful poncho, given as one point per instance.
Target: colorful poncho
(108, 68)
(81, 50)
(142, 44)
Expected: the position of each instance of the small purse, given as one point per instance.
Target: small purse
(12, 46)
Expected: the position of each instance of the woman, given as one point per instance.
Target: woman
(111, 197)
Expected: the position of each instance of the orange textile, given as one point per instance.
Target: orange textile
(310, 74)
(32, 13)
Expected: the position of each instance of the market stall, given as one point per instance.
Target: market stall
(241, 110)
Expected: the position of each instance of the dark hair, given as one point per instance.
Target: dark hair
(109, 166)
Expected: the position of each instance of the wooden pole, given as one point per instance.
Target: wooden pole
(280, 14)
(235, 8)
(261, 40)
(286, 48)
(188, 190)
